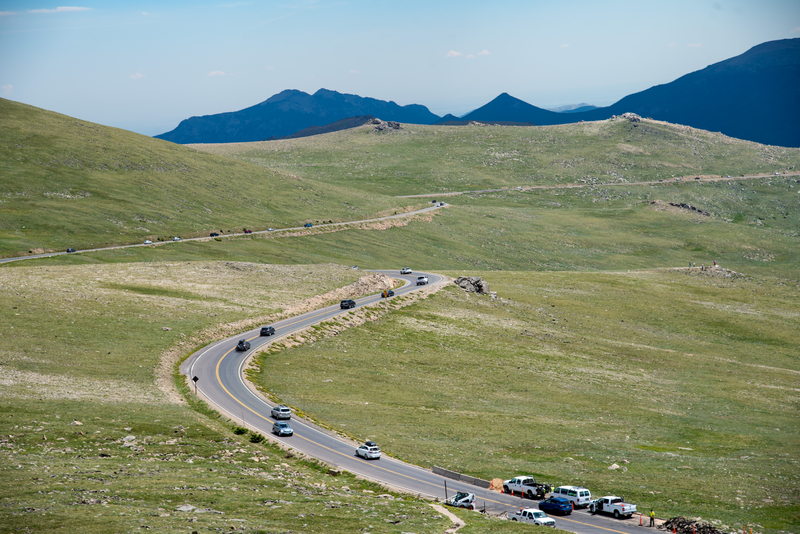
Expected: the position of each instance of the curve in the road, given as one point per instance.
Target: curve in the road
(221, 381)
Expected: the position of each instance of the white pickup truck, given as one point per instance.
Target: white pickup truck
(612, 505)
(533, 516)
(526, 486)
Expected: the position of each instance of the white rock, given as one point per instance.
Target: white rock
(613, 467)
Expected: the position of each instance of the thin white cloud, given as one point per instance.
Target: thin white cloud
(6, 90)
(796, 30)
(6, 13)
(354, 72)
(60, 9)
(137, 76)
(564, 46)
(694, 45)
(216, 73)
(145, 13)
(470, 56)
(453, 53)
(483, 52)
(673, 44)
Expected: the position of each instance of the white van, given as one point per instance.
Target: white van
(578, 495)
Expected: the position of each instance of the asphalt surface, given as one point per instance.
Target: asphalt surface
(276, 231)
(219, 366)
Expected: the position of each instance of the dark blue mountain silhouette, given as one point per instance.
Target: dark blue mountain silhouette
(288, 112)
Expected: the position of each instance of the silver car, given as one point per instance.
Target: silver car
(282, 412)
(282, 428)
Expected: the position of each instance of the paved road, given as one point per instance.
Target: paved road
(219, 369)
(682, 179)
(204, 238)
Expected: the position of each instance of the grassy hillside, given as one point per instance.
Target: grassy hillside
(685, 379)
(70, 183)
(83, 344)
(431, 159)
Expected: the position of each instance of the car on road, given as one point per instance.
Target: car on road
(576, 494)
(281, 412)
(556, 505)
(347, 303)
(243, 345)
(387, 293)
(533, 516)
(696, 177)
(248, 231)
(70, 250)
(270, 229)
(267, 331)
(282, 428)
(422, 280)
(405, 270)
(462, 499)
(148, 242)
(434, 201)
(611, 504)
(213, 234)
(176, 238)
(308, 225)
(369, 452)
(777, 174)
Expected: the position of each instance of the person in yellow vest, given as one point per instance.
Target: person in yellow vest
(652, 518)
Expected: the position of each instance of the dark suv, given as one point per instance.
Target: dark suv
(243, 345)
(267, 330)
(213, 234)
(347, 303)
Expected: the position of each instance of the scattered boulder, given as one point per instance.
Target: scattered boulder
(76, 423)
(473, 284)
(613, 467)
(166, 328)
(186, 508)
(388, 125)
(631, 117)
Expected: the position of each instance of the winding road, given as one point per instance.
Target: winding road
(219, 369)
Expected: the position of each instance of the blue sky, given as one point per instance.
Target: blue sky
(146, 65)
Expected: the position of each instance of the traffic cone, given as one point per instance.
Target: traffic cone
(640, 520)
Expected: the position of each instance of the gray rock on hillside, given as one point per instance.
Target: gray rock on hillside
(473, 284)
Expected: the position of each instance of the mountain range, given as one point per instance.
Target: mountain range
(753, 96)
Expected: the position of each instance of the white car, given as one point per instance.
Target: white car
(176, 238)
(422, 280)
(281, 412)
(148, 242)
(578, 495)
(534, 517)
(369, 452)
(405, 270)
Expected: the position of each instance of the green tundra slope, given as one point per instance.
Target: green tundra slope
(71, 183)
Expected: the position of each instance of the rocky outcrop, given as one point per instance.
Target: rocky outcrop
(385, 125)
(473, 284)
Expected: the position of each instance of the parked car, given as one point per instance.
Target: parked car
(612, 504)
(243, 345)
(281, 412)
(434, 201)
(308, 225)
(369, 452)
(777, 174)
(148, 242)
(405, 270)
(462, 499)
(533, 517)
(347, 303)
(248, 231)
(422, 280)
(270, 229)
(267, 331)
(176, 238)
(556, 505)
(70, 250)
(387, 293)
(576, 494)
(696, 177)
(282, 428)
(213, 234)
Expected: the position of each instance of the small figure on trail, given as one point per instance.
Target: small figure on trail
(715, 263)
(652, 518)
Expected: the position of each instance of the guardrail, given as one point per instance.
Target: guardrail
(461, 477)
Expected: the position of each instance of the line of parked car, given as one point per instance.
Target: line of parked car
(564, 499)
